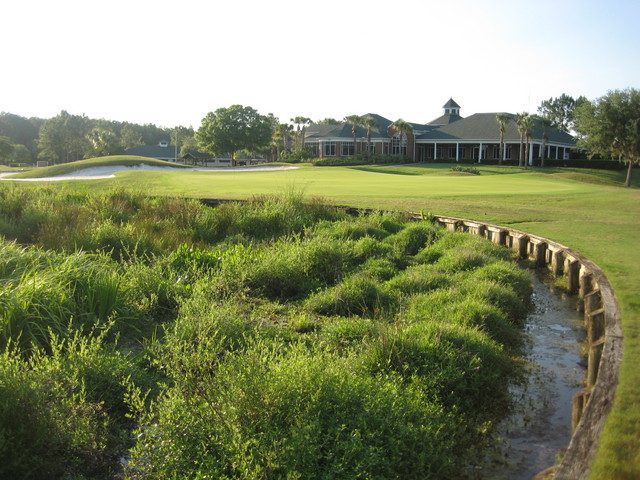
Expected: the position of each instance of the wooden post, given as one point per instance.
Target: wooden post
(580, 400)
(496, 235)
(556, 260)
(520, 243)
(572, 271)
(538, 250)
(593, 365)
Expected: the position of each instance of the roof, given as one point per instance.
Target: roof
(451, 104)
(445, 119)
(484, 127)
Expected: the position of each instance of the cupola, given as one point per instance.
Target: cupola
(451, 108)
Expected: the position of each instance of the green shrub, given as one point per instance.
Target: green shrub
(356, 295)
(438, 357)
(419, 279)
(346, 332)
(61, 415)
(452, 307)
(414, 238)
(294, 413)
(380, 269)
(472, 170)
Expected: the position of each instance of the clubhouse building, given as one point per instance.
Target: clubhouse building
(449, 137)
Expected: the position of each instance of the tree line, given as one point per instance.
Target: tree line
(67, 137)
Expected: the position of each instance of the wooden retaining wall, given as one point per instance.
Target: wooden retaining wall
(592, 404)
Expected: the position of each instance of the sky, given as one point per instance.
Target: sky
(169, 63)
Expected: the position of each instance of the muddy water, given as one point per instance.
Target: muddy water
(540, 427)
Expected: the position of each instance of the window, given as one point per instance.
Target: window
(399, 145)
(330, 149)
(372, 148)
(347, 149)
(313, 148)
(452, 151)
(507, 152)
(430, 151)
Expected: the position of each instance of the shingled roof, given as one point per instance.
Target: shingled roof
(484, 127)
(451, 104)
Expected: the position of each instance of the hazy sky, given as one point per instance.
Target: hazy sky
(170, 63)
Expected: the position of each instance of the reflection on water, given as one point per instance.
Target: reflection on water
(540, 428)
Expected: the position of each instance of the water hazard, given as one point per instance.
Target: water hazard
(540, 428)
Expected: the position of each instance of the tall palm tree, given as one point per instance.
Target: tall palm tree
(520, 122)
(528, 126)
(281, 136)
(502, 119)
(355, 121)
(546, 124)
(369, 123)
(301, 123)
(402, 127)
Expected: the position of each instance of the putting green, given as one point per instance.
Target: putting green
(345, 183)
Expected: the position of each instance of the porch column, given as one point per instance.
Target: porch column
(504, 151)
(435, 151)
(457, 152)
(548, 151)
(557, 152)
(480, 154)
(531, 145)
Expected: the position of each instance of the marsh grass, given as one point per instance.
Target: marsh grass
(274, 337)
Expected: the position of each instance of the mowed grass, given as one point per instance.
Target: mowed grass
(586, 210)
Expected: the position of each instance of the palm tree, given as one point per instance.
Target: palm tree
(546, 124)
(369, 123)
(520, 122)
(355, 121)
(528, 126)
(502, 119)
(281, 136)
(301, 123)
(402, 127)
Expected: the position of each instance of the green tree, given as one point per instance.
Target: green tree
(355, 121)
(6, 150)
(234, 128)
(20, 130)
(130, 136)
(102, 142)
(502, 119)
(610, 126)
(22, 154)
(301, 124)
(560, 111)
(281, 137)
(189, 145)
(328, 121)
(63, 138)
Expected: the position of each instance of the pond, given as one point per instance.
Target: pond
(530, 439)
